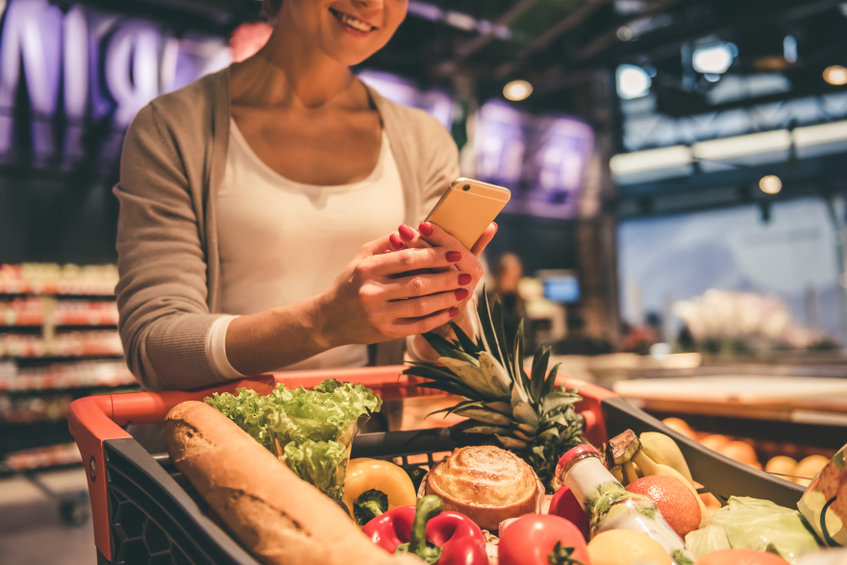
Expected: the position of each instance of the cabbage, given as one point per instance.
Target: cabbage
(754, 523)
(706, 539)
(313, 428)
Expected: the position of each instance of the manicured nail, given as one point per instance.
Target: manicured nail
(461, 293)
(395, 241)
(464, 278)
(453, 312)
(406, 232)
(425, 228)
(496, 227)
(454, 256)
(387, 251)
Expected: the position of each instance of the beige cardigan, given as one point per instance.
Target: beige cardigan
(167, 240)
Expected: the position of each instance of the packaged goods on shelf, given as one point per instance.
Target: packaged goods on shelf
(76, 374)
(40, 457)
(63, 344)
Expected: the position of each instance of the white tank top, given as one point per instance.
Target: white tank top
(282, 241)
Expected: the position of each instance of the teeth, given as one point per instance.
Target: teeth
(353, 22)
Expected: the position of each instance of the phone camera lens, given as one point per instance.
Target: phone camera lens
(466, 187)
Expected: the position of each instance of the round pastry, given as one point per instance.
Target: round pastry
(486, 483)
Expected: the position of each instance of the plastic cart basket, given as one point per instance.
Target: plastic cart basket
(145, 512)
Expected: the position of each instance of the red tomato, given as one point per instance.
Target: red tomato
(530, 540)
(564, 504)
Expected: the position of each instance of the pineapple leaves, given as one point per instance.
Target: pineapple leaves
(465, 342)
(525, 412)
(539, 371)
(442, 346)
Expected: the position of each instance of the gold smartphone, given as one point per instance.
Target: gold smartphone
(467, 207)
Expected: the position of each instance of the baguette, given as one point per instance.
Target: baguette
(278, 517)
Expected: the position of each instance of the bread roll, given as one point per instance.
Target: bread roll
(486, 483)
(277, 516)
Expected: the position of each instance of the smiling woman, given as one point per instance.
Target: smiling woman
(260, 205)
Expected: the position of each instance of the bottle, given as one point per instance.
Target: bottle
(611, 507)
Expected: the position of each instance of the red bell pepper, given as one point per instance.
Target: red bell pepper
(446, 538)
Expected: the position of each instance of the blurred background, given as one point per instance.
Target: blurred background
(678, 215)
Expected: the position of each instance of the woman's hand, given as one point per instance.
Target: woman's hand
(385, 295)
(429, 234)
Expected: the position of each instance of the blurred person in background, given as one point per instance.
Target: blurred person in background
(259, 212)
(506, 274)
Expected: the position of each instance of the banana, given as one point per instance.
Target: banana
(662, 448)
(630, 473)
(617, 472)
(650, 467)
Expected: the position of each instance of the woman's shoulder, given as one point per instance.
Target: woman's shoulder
(196, 100)
(405, 116)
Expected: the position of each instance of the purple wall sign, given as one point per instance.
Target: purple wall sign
(542, 159)
(84, 69)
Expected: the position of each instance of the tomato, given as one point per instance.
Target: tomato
(531, 538)
(564, 504)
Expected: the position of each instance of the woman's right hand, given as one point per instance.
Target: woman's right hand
(382, 296)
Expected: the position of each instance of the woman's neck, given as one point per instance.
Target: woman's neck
(284, 73)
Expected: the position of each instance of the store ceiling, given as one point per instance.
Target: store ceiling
(557, 43)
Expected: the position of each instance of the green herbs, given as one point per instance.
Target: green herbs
(310, 429)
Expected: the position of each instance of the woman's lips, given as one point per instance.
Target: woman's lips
(352, 21)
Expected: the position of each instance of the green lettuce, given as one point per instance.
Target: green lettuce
(754, 523)
(311, 429)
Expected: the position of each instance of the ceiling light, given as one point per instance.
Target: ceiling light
(633, 82)
(714, 59)
(770, 184)
(835, 75)
(517, 90)
(789, 49)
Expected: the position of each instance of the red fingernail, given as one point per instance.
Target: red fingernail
(464, 278)
(425, 228)
(453, 312)
(461, 293)
(406, 232)
(395, 241)
(453, 256)
(387, 251)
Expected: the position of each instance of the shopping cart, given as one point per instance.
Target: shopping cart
(145, 512)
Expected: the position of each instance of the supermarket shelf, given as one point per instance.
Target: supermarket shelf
(95, 290)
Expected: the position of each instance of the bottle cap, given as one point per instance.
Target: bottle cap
(573, 454)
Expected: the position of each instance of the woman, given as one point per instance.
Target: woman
(259, 204)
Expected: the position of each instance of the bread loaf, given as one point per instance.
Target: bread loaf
(274, 514)
(486, 483)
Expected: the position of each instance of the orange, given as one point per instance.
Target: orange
(740, 451)
(808, 467)
(626, 547)
(782, 465)
(715, 441)
(679, 425)
(738, 556)
(675, 501)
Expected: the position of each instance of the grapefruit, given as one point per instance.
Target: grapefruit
(626, 547)
(739, 556)
(674, 499)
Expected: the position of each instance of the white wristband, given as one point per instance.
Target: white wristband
(216, 349)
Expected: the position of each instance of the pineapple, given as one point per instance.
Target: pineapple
(527, 414)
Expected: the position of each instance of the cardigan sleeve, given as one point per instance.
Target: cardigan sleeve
(162, 290)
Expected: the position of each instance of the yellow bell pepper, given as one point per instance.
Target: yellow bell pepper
(364, 474)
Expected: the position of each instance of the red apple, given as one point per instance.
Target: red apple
(675, 501)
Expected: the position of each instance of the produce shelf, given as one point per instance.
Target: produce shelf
(144, 511)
